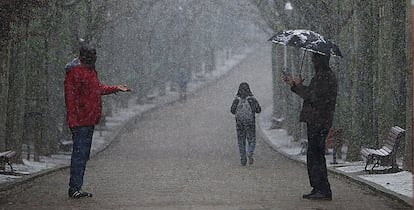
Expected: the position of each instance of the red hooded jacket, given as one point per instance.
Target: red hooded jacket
(83, 96)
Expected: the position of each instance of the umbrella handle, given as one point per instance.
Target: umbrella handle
(301, 65)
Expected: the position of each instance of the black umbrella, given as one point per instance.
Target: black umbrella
(307, 40)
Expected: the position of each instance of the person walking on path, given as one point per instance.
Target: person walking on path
(244, 107)
(83, 101)
(183, 77)
(317, 112)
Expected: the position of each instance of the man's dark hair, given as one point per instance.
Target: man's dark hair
(87, 55)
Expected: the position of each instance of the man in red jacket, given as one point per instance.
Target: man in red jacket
(84, 108)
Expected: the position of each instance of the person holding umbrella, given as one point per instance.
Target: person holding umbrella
(317, 112)
(83, 101)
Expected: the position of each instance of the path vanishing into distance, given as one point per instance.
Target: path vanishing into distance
(185, 156)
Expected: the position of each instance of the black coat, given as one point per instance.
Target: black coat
(319, 98)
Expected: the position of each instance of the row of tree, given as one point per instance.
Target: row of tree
(374, 74)
(140, 43)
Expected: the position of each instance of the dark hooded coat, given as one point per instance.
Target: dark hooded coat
(319, 98)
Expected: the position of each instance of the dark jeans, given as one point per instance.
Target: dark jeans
(246, 132)
(82, 141)
(315, 159)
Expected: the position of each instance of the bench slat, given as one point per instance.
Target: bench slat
(392, 137)
(383, 151)
(387, 149)
(379, 153)
(3, 153)
(396, 131)
(391, 147)
(8, 154)
(392, 141)
(11, 154)
(368, 152)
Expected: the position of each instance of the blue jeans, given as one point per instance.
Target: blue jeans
(82, 141)
(246, 132)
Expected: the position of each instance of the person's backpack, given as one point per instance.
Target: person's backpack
(72, 64)
(244, 113)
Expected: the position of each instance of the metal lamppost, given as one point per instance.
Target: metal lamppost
(290, 125)
(412, 80)
(288, 11)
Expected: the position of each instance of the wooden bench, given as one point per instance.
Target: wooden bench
(5, 157)
(386, 155)
(65, 145)
(277, 123)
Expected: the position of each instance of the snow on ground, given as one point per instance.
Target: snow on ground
(30, 167)
(352, 169)
(400, 182)
(7, 178)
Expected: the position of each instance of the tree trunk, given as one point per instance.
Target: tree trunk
(54, 105)
(400, 64)
(4, 89)
(384, 72)
(16, 103)
(362, 104)
(409, 54)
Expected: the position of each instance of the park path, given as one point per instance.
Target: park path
(185, 156)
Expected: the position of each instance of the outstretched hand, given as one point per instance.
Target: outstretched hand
(123, 88)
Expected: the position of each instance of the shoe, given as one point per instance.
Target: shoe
(319, 196)
(311, 193)
(79, 194)
(251, 160)
(243, 161)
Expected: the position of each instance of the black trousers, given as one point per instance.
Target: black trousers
(315, 159)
